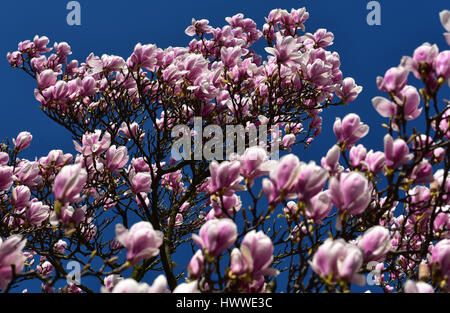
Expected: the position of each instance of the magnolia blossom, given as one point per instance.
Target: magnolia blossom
(418, 287)
(441, 255)
(375, 243)
(257, 249)
(396, 152)
(141, 241)
(216, 235)
(69, 183)
(337, 259)
(22, 141)
(349, 130)
(351, 192)
(11, 254)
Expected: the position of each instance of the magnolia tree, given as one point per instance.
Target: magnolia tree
(136, 196)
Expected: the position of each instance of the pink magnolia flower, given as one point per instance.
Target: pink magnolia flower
(375, 243)
(91, 143)
(37, 212)
(132, 131)
(286, 50)
(55, 158)
(253, 163)
(46, 79)
(396, 152)
(394, 79)
(357, 155)
(442, 64)
(11, 254)
(60, 246)
(285, 174)
(198, 27)
(140, 182)
(68, 216)
(422, 173)
(195, 266)
(143, 55)
(319, 207)
(45, 269)
(337, 259)
(116, 158)
(257, 249)
(411, 101)
(225, 177)
(310, 181)
(28, 174)
(230, 56)
(216, 235)
(141, 241)
(351, 192)
(238, 263)
(22, 141)
(331, 161)
(349, 91)
(4, 158)
(110, 282)
(374, 161)
(20, 196)
(445, 21)
(69, 183)
(350, 130)
(441, 255)
(417, 287)
(191, 287)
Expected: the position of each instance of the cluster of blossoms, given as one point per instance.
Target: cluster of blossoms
(322, 226)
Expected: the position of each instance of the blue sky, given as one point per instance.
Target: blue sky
(114, 27)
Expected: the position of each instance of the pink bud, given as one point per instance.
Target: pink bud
(4, 158)
(426, 53)
(319, 207)
(375, 243)
(6, 177)
(331, 161)
(10, 253)
(195, 266)
(443, 64)
(216, 235)
(257, 248)
(140, 182)
(357, 154)
(375, 161)
(22, 141)
(394, 79)
(225, 177)
(350, 130)
(310, 181)
(141, 241)
(411, 100)
(396, 152)
(441, 255)
(351, 192)
(60, 246)
(69, 183)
